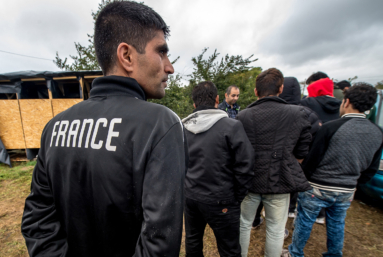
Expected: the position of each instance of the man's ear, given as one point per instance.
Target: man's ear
(280, 90)
(125, 58)
(216, 101)
(225, 95)
(256, 92)
(346, 103)
(194, 105)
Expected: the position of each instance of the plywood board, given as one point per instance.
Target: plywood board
(35, 113)
(60, 105)
(11, 130)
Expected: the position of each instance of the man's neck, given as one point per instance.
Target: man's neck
(231, 105)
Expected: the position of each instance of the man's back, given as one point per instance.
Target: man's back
(280, 134)
(220, 158)
(326, 107)
(106, 165)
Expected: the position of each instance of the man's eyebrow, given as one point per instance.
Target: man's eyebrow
(163, 47)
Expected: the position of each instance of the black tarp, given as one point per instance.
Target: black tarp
(4, 157)
(46, 74)
(10, 88)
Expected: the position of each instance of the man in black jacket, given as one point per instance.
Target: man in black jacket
(219, 173)
(292, 95)
(280, 135)
(110, 172)
(345, 152)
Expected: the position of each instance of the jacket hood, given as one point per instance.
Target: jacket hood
(321, 87)
(203, 120)
(329, 104)
(291, 91)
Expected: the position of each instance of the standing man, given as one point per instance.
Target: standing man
(103, 184)
(345, 152)
(229, 104)
(280, 135)
(219, 173)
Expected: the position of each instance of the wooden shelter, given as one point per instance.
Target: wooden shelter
(29, 99)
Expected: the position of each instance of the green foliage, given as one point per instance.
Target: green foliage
(230, 70)
(379, 85)
(177, 97)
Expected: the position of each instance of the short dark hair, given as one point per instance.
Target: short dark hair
(204, 94)
(269, 82)
(362, 96)
(228, 90)
(343, 84)
(316, 76)
(124, 21)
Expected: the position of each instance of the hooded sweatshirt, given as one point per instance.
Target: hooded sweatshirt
(321, 100)
(220, 157)
(292, 95)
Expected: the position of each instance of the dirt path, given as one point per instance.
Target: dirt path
(363, 237)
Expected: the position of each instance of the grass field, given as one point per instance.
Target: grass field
(363, 236)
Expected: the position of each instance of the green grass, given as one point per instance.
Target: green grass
(19, 173)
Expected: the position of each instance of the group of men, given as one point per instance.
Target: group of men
(126, 194)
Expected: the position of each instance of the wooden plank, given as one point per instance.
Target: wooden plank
(34, 79)
(64, 78)
(11, 130)
(60, 105)
(92, 77)
(4, 81)
(35, 114)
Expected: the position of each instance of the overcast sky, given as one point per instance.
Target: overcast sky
(343, 38)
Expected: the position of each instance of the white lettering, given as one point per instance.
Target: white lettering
(54, 133)
(111, 134)
(100, 142)
(73, 132)
(86, 121)
(62, 132)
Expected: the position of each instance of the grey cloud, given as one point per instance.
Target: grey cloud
(318, 29)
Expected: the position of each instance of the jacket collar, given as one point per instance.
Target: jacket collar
(235, 106)
(354, 115)
(117, 85)
(268, 99)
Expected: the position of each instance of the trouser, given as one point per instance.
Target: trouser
(293, 205)
(276, 209)
(257, 218)
(293, 202)
(224, 221)
(309, 205)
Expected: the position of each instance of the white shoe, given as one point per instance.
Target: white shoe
(291, 215)
(320, 221)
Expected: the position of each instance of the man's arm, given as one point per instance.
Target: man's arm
(244, 160)
(367, 175)
(301, 149)
(40, 225)
(163, 197)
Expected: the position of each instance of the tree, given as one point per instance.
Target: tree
(379, 85)
(230, 70)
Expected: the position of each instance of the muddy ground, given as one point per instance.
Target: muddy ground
(363, 236)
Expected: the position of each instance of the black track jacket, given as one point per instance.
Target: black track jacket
(109, 178)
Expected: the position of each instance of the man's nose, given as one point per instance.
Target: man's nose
(169, 68)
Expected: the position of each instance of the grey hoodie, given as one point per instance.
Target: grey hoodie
(203, 120)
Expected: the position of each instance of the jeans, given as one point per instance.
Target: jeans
(309, 205)
(224, 221)
(276, 208)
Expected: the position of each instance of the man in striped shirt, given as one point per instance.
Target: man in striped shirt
(345, 152)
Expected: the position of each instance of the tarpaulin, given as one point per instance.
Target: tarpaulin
(46, 74)
(4, 157)
(10, 88)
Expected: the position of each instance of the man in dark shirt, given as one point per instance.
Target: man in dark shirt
(345, 152)
(219, 175)
(229, 104)
(110, 171)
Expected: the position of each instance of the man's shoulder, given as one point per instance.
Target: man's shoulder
(222, 105)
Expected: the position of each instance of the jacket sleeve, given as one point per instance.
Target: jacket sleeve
(301, 149)
(243, 154)
(163, 197)
(367, 175)
(40, 225)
